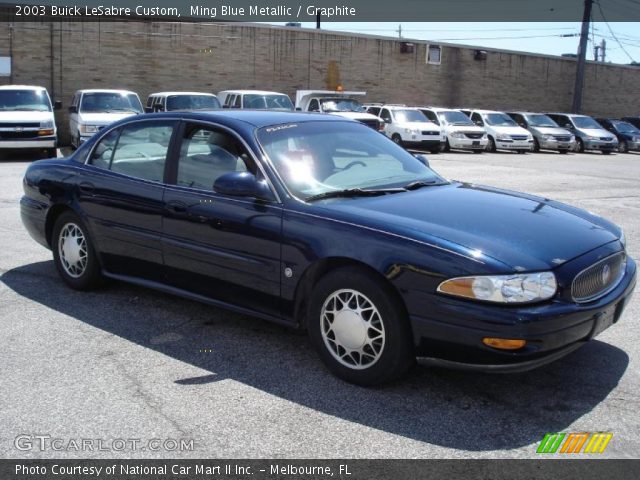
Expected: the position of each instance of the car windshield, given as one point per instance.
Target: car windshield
(456, 118)
(624, 127)
(267, 102)
(108, 102)
(410, 116)
(539, 120)
(499, 120)
(192, 102)
(586, 122)
(341, 105)
(24, 100)
(314, 158)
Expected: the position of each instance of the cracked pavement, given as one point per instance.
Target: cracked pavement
(125, 362)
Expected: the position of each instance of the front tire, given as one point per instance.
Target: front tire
(580, 145)
(397, 139)
(74, 254)
(491, 146)
(359, 328)
(623, 147)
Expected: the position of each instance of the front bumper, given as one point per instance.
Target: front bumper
(468, 143)
(526, 145)
(600, 145)
(452, 332)
(555, 145)
(27, 143)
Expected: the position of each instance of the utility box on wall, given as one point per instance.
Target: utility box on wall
(407, 47)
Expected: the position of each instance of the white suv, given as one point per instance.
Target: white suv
(460, 132)
(26, 119)
(92, 110)
(408, 126)
(503, 132)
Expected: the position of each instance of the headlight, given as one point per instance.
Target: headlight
(46, 125)
(502, 136)
(593, 138)
(548, 138)
(517, 288)
(89, 128)
(458, 135)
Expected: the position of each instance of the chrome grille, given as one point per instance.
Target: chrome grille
(599, 279)
(429, 132)
(561, 138)
(474, 135)
(519, 137)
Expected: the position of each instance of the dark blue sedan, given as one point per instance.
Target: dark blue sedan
(321, 223)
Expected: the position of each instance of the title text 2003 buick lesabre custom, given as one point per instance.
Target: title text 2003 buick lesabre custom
(314, 221)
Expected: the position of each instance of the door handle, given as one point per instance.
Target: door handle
(86, 187)
(177, 206)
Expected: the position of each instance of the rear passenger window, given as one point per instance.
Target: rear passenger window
(206, 154)
(141, 150)
(102, 154)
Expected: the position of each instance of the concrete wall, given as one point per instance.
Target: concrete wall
(152, 56)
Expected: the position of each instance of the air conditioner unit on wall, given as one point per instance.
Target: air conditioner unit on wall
(480, 55)
(407, 47)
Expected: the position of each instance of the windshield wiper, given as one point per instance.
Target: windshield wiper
(353, 192)
(422, 183)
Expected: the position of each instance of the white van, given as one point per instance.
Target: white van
(26, 119)
(92, 110)
(409, 127)
(255, 99)
(503, 132)
(460, 132)
(181, 101)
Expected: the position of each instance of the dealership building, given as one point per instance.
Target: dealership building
(150, 56)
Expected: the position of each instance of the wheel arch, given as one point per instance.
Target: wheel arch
(321, 267)
(52, 215)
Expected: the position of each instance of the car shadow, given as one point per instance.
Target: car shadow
(462, 410)
(23, 155)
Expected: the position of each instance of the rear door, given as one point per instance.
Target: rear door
(223, 248)
(121, 193)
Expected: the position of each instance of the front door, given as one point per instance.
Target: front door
(224, 248)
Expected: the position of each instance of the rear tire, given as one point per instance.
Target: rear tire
(359, 328)
(73, 253)
(447, 146)
(623, 147)
(579, 145)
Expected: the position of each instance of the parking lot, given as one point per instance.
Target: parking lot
(129, 363)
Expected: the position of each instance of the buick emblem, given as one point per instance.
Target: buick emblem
(606, 274)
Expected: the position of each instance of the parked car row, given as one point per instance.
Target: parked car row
(27, 120)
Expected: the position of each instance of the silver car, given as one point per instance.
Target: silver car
(590, 135)
(547, 135)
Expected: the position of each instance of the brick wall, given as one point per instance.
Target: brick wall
(153, 56)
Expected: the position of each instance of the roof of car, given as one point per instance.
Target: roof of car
(486, 111)
(440, 109)
(567, 114)
(159, 94)
(104, 90)
(520, 112)
(21, 87)
(257, 92)
(257, 118)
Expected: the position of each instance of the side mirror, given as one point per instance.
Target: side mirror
(422, 158)
(72, 109)
(57, 105)
(242, 184)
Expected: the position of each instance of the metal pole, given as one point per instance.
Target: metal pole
(318, 19)
(582, 57)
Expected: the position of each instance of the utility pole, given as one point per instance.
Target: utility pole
(318, 20)
(582, 57)
(603, 48)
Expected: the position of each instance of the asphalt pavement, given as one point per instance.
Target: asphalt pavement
(130, 365)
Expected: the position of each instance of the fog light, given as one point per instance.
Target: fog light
(46, 131)
(504, 343)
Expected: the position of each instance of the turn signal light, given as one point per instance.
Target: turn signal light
(46, 131)
(504, 343)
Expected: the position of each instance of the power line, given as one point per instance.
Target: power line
(612, 32)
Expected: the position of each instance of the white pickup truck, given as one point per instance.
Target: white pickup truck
(343, 104)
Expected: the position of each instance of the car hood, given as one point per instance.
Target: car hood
(355, 115)
(103, 118)
(520, 231)
(509, 130)
(551, 130)
(596, 132)
(13, 117)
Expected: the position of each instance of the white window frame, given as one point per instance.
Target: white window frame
(428, 59)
